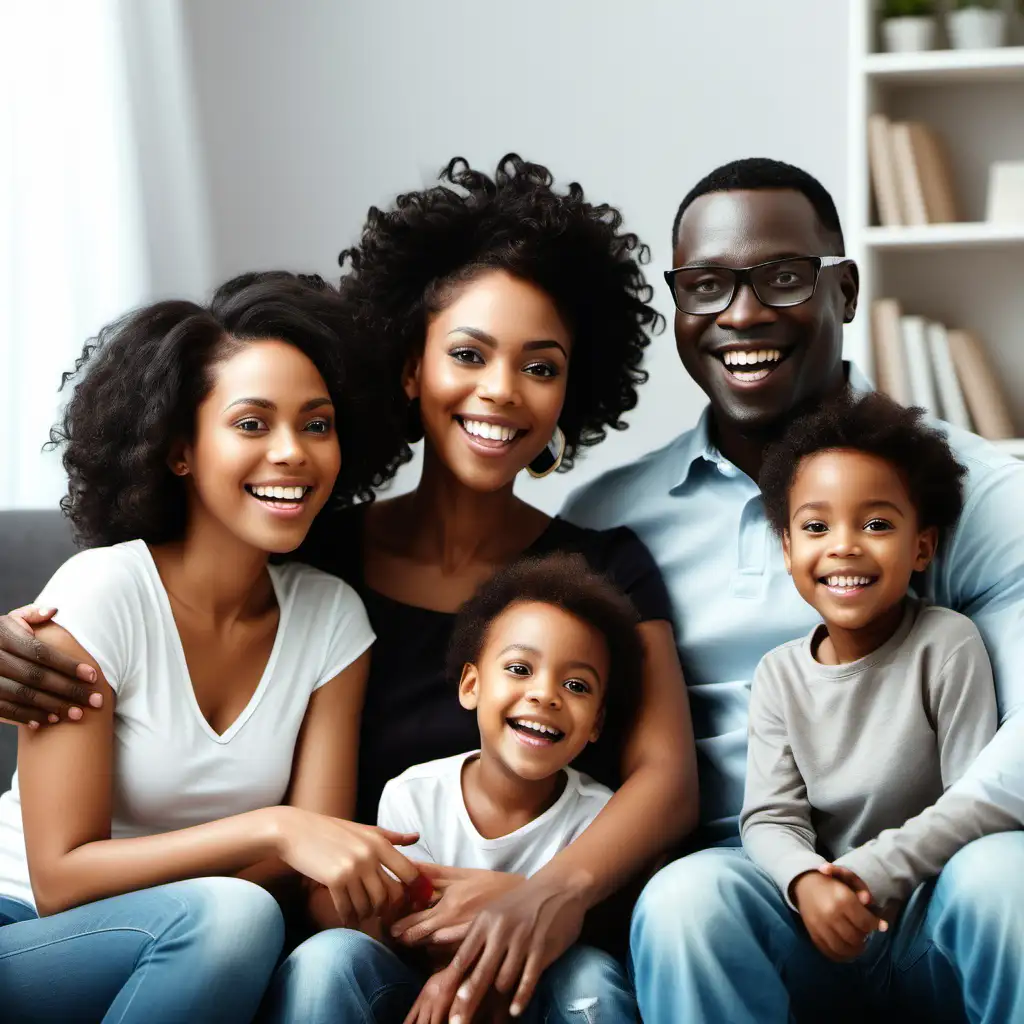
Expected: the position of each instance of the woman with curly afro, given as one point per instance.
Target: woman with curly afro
(218, 759)
(513, 318)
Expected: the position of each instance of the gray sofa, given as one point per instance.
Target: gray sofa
(32, 545)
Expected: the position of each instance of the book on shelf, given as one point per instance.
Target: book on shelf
(890, 356)
(910, 173)
(946, 372)
(952, 407)
(981, 388)
(883, 171)
(919, 363)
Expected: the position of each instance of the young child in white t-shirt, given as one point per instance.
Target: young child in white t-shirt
(544, 653)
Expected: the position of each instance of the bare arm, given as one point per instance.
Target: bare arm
(73, 860)
(324, 772)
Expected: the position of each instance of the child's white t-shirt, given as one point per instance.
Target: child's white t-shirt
(427, 799)
(171, 769)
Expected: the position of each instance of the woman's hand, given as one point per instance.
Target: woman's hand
(509, 945)
(460, 894)
(433, 1002)
(358, 864)
(40, 685)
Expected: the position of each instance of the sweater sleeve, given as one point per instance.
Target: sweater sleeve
(963, 707)
(776, 819)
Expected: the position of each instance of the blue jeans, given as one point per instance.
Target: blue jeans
(341, 976)
(201, 950)
(713, 940)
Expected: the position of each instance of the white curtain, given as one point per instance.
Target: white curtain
(72, 237)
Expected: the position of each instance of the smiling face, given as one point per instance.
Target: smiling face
(491, 380)
(538, 688)
(755, 363)
(853, 538)
(265, 455)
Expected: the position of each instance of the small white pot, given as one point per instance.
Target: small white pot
(908, 35)
(976, 28)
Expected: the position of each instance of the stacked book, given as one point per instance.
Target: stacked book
(946, 372)
(910, 173)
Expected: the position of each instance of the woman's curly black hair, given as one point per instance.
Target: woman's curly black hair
(875, 424)
(142, 379)
(411, 257)
(567, 582)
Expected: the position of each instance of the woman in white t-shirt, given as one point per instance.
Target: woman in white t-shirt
(199, 442)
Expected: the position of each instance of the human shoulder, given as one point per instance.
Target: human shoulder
(427, 773)
(609, 499)
(944, 632)
(620, 555)
(101, 574)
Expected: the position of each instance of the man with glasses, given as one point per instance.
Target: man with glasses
(762, 290)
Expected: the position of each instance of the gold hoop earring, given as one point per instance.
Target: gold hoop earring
(550, 458)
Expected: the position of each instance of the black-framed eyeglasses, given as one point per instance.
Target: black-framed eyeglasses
(706, 290)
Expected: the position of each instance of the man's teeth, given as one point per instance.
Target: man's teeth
(752, 358)
(541, 730)
(848, 581)
(491, 431)
(280, 493)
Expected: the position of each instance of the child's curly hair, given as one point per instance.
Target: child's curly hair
(142, 379)
(875, 424)
(411, 258)
(565, 581)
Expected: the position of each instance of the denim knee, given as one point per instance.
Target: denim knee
(696, 896)
(231, 919)
(341, 975)
(984, 884)
(587, 986)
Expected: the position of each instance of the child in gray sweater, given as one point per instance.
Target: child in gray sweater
(860, 726)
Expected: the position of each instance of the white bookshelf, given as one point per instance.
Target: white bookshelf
(968, 274)
(939, 67)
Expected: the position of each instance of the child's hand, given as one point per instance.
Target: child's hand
(835, 916)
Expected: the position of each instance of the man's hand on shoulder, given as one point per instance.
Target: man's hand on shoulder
(40, 685)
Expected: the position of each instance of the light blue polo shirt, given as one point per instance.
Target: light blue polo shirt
(733, 601)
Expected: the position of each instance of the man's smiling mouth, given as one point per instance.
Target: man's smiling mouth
(751, 364)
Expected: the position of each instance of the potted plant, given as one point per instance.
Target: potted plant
(976, 24)
(908, 25)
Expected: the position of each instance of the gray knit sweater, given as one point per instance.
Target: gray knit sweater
(842, 758)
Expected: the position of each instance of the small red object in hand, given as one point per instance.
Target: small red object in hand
(420, 892)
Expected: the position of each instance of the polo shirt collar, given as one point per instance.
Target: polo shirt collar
(695, 447)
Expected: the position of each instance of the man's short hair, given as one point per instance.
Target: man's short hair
(762, 173)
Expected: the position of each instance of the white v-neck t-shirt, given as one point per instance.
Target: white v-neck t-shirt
(427, 799)
(171, 769)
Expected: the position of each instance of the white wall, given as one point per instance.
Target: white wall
(312, 110)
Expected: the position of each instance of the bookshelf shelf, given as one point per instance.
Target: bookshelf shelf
(944, 236)
(941, 300)
(935, 67)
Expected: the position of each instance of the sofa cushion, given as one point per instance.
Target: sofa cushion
(32, 545)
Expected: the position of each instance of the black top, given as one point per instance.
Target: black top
(412, 712)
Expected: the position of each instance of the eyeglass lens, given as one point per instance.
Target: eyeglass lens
(704, 290)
